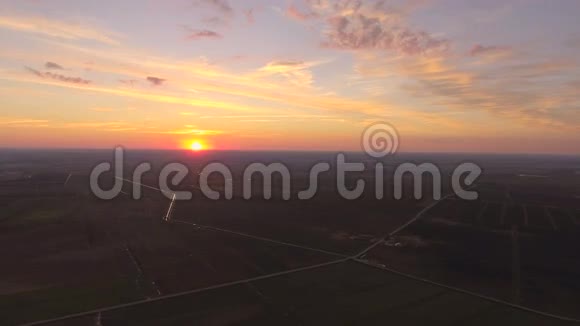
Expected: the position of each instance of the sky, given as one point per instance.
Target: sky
(449, 75)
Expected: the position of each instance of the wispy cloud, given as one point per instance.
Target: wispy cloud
(155, 81)
(222, 6)
(96, 124)
(113, 126)
(445, 85)
(250, 18)
(129, 82)
(216, 21)
(102, 109)
(7, 122)
(271, 116)
(58, 29)
(52, 65)
(200, 34)
(220, 11)
(293, 12)
(539, 69)
(285, 65)
(297, 72)
(258, 91)
(189, 131)
(59, 77)
(490, 53)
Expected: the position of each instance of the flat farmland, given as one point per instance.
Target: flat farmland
(341, 293)
(518, 253)
(263, 262)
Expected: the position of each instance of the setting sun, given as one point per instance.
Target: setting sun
(197, 146)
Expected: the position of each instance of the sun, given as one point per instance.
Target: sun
(196, 146)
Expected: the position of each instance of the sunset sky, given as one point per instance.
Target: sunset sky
(450, 75)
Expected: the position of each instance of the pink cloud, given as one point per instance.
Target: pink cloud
(363, 32)
(369, 25)
(295, 13)
(250, 16)
(199, 34)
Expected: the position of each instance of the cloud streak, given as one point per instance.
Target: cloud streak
(201, 34)
(293, 12)
(491, 53)
(52, 65)
(296, 72)
(155, 81)
(222, 6)
(57, 29)
(24, 122)
(59, 77)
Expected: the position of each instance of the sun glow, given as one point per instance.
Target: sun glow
(197, 146)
